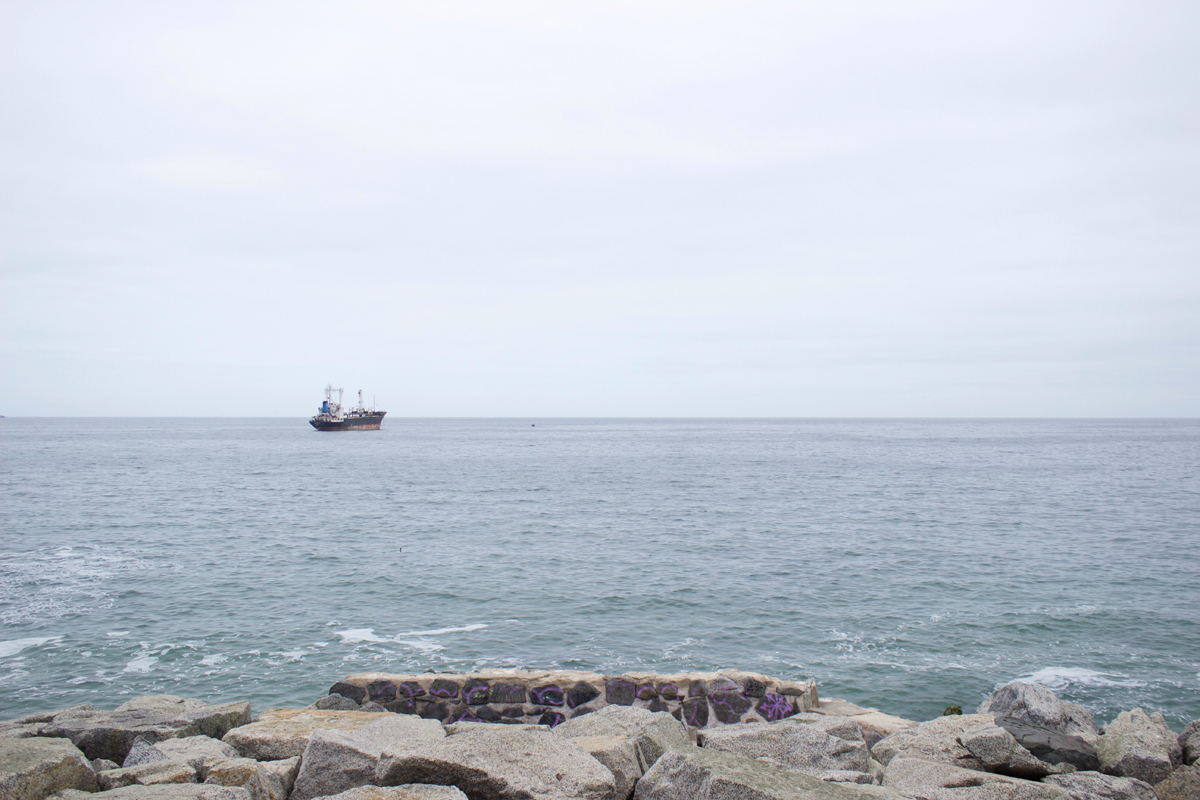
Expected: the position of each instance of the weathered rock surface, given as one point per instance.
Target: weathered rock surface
(1189, 742)
(285, 769)
(261, 783)
(142, 752)
(335, 702)
(187, 791)
(335, 760)
(935, 780)
(1052, 746)
(413, 791)
(152, 774)
(701, 773)
(969, 741)
(280, 733)
(651, 733)
(874, 723)
(1036, 705)
(619, 755)
(1139, 745)
(196, 750)
(1183, 784)
(812, 744)
(110, 734)
(32, 724)
(103, 764)
(1091, 785)
(504, 764)
(32, 768)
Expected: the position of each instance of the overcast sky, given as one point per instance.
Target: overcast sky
(601, 209)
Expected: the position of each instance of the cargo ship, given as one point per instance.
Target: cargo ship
(334, 418)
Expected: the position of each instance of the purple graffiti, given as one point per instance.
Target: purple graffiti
(775, 707)
(548, 696)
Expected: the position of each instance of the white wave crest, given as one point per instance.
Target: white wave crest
(1062, 677)
(143, 664)
(14, 646)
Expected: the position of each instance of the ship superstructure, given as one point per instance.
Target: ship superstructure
(332, 417)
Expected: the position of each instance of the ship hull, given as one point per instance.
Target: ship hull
(367, 422)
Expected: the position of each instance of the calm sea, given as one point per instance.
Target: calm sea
(904, 564)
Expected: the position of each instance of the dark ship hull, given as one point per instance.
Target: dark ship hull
(351, 422)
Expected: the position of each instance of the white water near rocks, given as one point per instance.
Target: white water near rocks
(904, 564)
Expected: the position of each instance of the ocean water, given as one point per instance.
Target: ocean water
(903, 564)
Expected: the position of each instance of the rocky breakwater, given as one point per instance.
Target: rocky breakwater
(1023, 744)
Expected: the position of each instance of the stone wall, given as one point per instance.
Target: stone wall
(698, 699)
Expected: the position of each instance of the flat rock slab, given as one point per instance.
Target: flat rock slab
(1091, 785)
(871, 720)
(503, 764)
(192, 791)
(413, 791)
(153, 774)
(284, 732)
(935, 780)
(696, 773)
(32, 768)
(195, 750)
(110, 734)
(813, 744)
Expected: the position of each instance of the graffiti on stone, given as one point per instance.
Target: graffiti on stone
(381, 691)
(443, 689)
(548, 696)
(728, 706)
(551, 718)
(695, 712)
(507, 693)
(775, 707)
(475, 692)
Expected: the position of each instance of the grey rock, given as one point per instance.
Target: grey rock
(1183, 784)
(371, 707)
(186, 791)
(969, 741)
(103, 764)
(335, 702)
(1036, 705)
(110, 734)
(998, 751)
(1139, 745)
(503, 764)
(619, 754)
(1053, 747)
(196, 750)
(935, 780)
(335, 761)
(847, 776)
(1091, 785)
(31, 768)
(152, 774)
(263, 784)
(1189, 742)
(142, 752)
(281, 733)
(701, 773)
(412, 791)
(285, 769)
(651, 732)
(812, 746)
